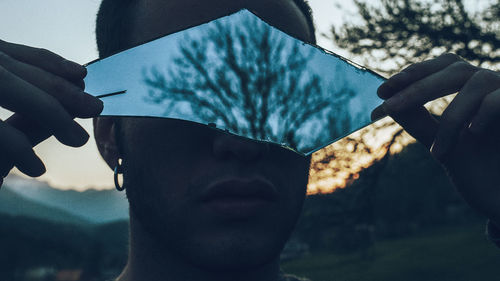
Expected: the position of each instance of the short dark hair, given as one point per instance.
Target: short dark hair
(113, 24)
(307, 11)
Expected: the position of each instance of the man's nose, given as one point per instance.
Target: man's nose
(226, 146)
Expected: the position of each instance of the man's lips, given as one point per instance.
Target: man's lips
(237, 188)
(236, 198)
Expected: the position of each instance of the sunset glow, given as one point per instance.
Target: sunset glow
(339, 163)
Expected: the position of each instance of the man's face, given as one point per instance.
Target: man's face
(216, 200)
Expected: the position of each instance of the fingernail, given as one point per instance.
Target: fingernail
(378, 112)
(39, 169)
(439, 149)
(93, 105)
(80, 84)
(393, 103)
(42, 170)
(76, 68)
(78, 136)
(476, 127)
(434, 150)
(385, 90)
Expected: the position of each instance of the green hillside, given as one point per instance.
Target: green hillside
(27, 243)
(459, 253)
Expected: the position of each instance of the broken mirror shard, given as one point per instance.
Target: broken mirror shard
(243, 76)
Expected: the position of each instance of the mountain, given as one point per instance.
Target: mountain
(95, 206)
(14, 204)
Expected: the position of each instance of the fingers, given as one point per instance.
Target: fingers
(45, 60)
(462, 109)
(419, 123)
(477, 101)
(45, 92)
(5, 166)
(447, 81)
(31, 129)
(21, 97)
(17, 148)
(76, 102)
(488, 114)
(414, 73)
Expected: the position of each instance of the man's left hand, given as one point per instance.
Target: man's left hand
(466, 138)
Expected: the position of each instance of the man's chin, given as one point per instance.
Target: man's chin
(234, 256)
(218, 251)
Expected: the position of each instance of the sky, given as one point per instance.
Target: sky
(67, 28)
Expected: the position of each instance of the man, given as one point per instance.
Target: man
(189, 218)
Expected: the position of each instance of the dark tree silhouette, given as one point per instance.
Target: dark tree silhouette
(408, 31)
(253, 81)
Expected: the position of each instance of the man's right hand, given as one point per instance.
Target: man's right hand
(45, 92)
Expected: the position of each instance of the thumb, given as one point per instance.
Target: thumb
(418, 122)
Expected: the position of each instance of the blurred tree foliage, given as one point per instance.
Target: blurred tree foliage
(408, 31)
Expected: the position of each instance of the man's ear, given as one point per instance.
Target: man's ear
(105, 137)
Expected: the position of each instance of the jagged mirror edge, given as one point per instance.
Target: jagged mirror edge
(293, 94)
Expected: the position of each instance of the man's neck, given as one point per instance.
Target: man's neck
(149, 262)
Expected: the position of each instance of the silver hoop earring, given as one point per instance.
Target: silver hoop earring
(118, 170)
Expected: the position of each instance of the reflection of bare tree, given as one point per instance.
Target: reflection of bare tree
(250, 80)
